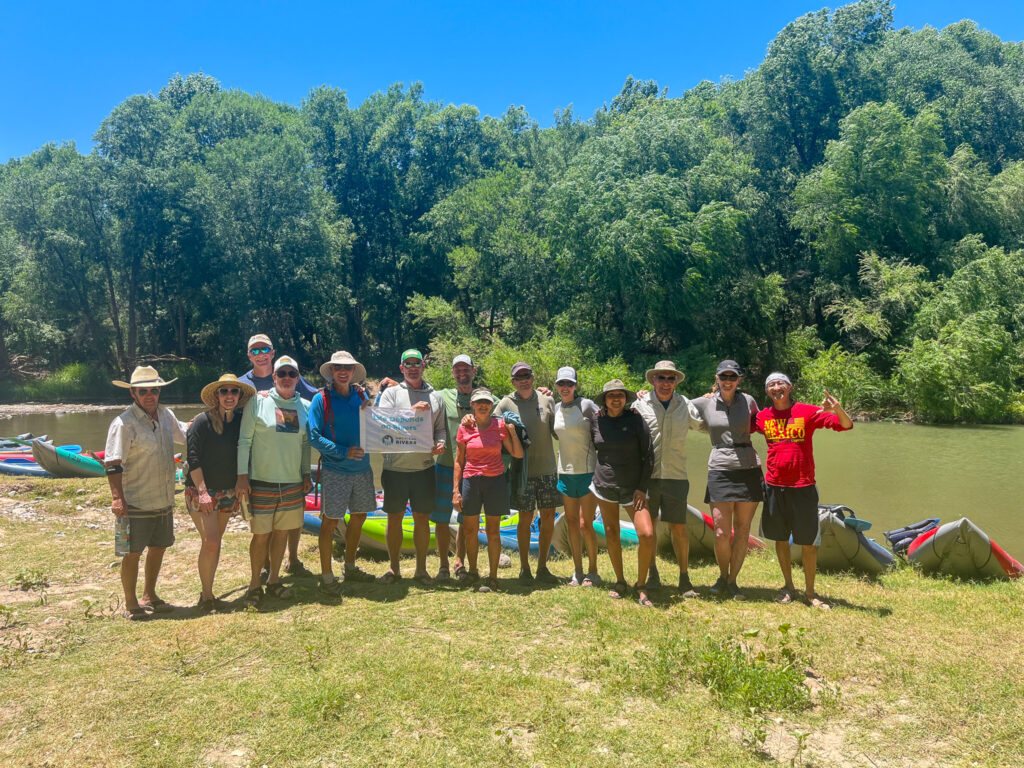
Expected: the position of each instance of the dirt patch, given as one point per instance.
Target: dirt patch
(231, 754)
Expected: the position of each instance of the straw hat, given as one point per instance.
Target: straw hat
(343, 358)
(143, 376)
(209, 393)
(613, 386)
(664, 366)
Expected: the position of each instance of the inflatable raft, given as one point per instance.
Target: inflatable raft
(700, 529)
(962, 549)
(65, 461)
(22, 467)
(842, 544)
(560, 540)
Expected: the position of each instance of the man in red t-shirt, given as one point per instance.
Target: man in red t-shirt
(791, 498)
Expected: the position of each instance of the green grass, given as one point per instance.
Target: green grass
(905, 671)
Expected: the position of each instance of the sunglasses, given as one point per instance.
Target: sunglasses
(412, 363)
(261, 350)
(342, 366)
(565, 384)
(728, 377)
(287, 373)
(666, 378)
(522, 377)
(147, 390)
(227, 391)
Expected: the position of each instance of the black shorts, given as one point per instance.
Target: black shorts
(417, 488)
(790, 511)
(490, 493)
(734, 485)
(668, 497)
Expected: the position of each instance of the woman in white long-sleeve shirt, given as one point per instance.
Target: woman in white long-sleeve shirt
(576, 461)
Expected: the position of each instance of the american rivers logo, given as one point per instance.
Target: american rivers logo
(387, 441)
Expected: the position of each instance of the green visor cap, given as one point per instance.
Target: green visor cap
(412, 353)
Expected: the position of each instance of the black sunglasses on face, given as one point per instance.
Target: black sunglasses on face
(226, 391)
(728, 376)
(666, 378)
(342, 366)
(147, 390)
(261, 350)
(287, 374)
(522, 377)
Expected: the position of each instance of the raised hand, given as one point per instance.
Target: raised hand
(829, 404)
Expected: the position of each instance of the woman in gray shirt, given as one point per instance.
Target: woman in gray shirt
(735, 480)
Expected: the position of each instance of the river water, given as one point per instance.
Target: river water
(890, 474)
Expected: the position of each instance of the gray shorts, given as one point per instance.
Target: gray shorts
(151, 531)
(341, 493)
(668, 497)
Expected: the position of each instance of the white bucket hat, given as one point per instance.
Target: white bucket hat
(343, 358)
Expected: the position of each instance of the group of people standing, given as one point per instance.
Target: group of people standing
(623, 453)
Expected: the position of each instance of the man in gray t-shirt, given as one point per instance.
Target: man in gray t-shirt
(537, 412)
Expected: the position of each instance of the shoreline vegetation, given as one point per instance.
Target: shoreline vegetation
(848, 212)
(906, 671)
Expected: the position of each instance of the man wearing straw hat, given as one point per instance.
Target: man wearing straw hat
(669, 416)
(139, 461)
(346, 480)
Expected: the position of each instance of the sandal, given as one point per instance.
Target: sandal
(389, 578)
(461, 572)
(279, 590)
(135, 614)
(785, 596)
(619, 590)
(443, 574)
(423, 579)
(644, 600)
(253, 597)
(489, 585)
(821, 605)
(592, 580)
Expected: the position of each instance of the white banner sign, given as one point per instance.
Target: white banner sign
(395, 430)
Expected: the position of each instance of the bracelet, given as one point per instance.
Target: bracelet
(115, 469)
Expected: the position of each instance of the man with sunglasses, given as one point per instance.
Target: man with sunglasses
(261, 375)
(409, 477)
(669, 416)
(537, 412)
(139, 461)
(261, 378)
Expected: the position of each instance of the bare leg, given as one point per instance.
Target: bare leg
(645, 551)
(209, 552)
(259, 545)
(130, 579)
(721, 511)
(460, 546)
(326, 542)
(394, 541)
(785, 562)
(154, 559)
(681, 546)
(588, 506)
(809, 556)
(443, 536)
(421, 540)
(547, 532)
(572, 522)
(278, 542)
(293, 545)
(741, 534)
(523, 538)
(610, 515)
(353, 531)
(471, 524)
(493, 524)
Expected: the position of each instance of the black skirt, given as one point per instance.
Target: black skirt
(734, 485)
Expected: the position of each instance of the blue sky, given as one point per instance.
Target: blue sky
(66, 65)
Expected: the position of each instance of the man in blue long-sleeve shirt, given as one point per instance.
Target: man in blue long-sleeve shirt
(346, 480)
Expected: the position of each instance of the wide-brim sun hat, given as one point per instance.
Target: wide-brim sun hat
(664, 366)
(209, 393)
(143, 376)
(343, 358)
(615, 385)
